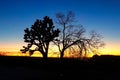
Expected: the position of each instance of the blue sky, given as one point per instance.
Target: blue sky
(100, 15)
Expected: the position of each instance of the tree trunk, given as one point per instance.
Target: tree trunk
(61, 54)
(45, 56)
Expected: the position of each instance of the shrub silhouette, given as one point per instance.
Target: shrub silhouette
(40, 34)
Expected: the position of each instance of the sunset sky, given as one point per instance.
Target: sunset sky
(102, 16)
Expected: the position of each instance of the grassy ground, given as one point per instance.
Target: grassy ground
(30, 68)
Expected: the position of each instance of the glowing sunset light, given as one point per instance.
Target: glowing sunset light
(101, 16)
(111, 48)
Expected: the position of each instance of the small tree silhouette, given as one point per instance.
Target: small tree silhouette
(40, 34)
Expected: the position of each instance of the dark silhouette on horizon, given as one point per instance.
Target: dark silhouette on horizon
(72, 37)
(68, 36)
(40, 34)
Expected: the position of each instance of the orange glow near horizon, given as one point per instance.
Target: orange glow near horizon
(111, 49)
(14, 50)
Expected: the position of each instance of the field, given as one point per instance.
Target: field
(35, 68)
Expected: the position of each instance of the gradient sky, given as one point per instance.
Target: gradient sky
(100, 15)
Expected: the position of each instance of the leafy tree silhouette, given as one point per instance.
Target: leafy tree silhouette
(40, 34)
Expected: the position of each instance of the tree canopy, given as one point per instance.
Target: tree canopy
(72, 36)
(40, 34)
(68, 36)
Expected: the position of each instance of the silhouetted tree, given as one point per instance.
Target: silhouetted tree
(40, 35)
(71, 36)
(91, 44)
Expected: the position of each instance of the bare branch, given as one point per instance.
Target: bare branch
(72, 36)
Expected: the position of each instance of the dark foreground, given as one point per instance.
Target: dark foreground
(27, 68)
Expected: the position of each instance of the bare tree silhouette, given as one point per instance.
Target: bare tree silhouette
(40, 35)
(71, 36)
(91, 44)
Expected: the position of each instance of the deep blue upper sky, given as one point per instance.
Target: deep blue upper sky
(100, 15)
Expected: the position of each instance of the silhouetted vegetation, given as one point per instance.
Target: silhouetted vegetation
(40, 35)
(71, 37)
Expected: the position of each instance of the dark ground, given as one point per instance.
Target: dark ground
(28, 68)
